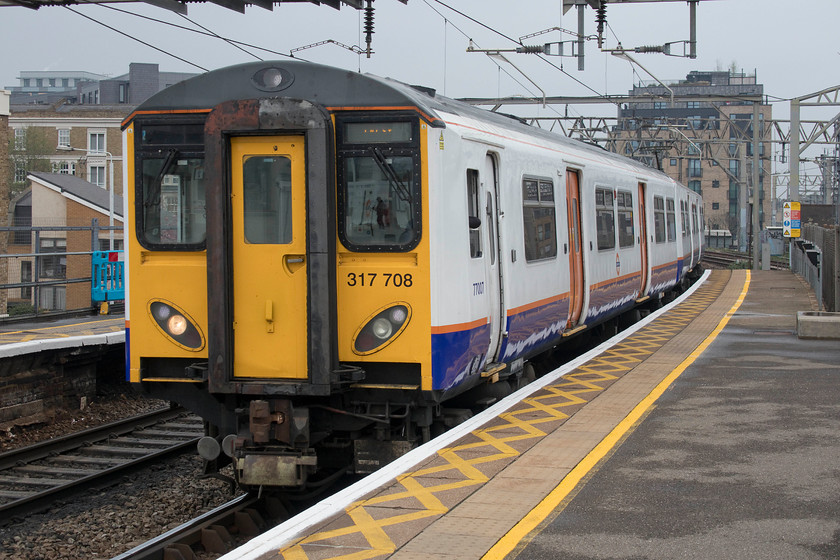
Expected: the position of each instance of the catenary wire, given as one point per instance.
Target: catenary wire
(205, 33)
(136, 39)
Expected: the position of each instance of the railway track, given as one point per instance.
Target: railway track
(723, 260)
(33, 477)
(216, 532)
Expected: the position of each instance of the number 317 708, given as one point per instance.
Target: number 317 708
(386, 279)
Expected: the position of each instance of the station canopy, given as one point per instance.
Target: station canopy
(180, 6)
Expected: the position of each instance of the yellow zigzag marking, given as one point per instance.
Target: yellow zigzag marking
(545, 407)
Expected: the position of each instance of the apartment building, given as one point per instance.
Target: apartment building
(705, 144)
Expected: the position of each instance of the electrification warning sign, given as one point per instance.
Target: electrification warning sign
(792, 219)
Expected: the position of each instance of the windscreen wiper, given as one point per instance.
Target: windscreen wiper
(388, 170)
(154, 196)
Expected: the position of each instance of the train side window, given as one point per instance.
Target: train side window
(684, 217)
(626, 231)
(659, 219)
(538, 214)
(474, 220)
(671, 218)
(605, 218)
(694, 227)
(267, 198)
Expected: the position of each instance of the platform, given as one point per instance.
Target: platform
(24, 338)
(707, 431)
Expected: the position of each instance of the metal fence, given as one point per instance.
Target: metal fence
(816, 257)
(48, 270)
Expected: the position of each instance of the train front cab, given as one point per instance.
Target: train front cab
(277, 366)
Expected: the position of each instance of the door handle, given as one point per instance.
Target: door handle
(269, 316)
(292, 263)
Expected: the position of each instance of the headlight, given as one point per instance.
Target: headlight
(381, 328)
(176, 325)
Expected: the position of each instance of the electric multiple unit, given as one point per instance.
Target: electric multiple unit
(330, 267)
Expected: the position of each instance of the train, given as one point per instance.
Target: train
(331, 267)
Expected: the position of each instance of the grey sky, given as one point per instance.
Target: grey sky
(792, 46)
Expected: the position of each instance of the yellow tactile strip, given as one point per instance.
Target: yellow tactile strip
(85, 328)
(376, 526)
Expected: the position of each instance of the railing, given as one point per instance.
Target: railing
(45, 269)
(816, 257)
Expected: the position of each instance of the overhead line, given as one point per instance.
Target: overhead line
(138, 40)
(206, 34)
(231, 43)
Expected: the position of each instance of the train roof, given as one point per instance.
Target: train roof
(335, 89)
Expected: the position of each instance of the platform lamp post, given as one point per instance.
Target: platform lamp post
(110, 157)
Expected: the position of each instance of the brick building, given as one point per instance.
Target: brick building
(58, 200)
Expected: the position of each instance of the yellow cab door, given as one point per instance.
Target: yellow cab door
(269, 257)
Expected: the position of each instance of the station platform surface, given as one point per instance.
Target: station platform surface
(708, 431)
(18, 338)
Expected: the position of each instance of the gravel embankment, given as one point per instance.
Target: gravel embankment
(108, 522)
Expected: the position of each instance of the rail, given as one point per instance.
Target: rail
(212, 530)
(33, 477)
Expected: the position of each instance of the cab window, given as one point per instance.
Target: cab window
(379, 184)
(170, 188)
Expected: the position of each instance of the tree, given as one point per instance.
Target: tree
(29, 150)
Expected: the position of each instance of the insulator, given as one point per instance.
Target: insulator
(531, 49)
(369, 25)
(601, 18)
(649, 49)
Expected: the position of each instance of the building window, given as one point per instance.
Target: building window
(695, 186)
(692, 104)
(605, 218)
(96, 141)
(20, 172)
(660, 105)
(96, 175)
(64, 137)
(693, 149)
(659, 219)
(539, 219)
(715, 205)
(626, 233)
(474, 220)
(20, 138)
(673, 162)
(64, 167)
(52, 298)
(715, 184)
(735, 167)
(671, 217)
(694, 168)
(53, 265)
(26, 276)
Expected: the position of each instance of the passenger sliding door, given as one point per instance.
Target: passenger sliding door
(490, 183)
(575, 247)
(268, 241)
(643, 245)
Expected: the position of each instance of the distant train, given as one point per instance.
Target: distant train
(329, 266)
